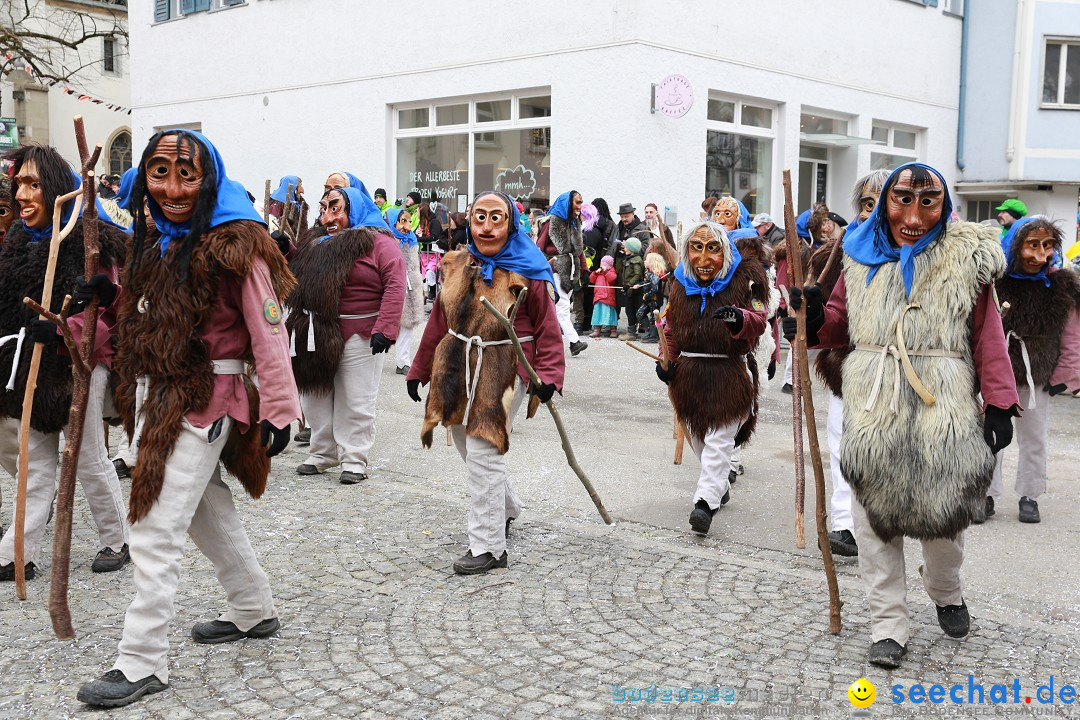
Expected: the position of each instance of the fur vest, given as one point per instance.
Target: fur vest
(412, 313)
(321, 270)
(567, 240)
(766, 346)
(462, 288)
(1038, 315)
(160, 337)
(829, 363)
(921, 471)
(710, 392)
(22, 267)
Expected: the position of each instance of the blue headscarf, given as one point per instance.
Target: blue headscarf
(519, 255)
(744, 216)
(362, 212)
(561, 208)
(869, 244)
(282, 193)
(1007, 246)
(802, 225)
(354, 182)
(37, 235)
(127, 181)
(718, 284)
(404, 239)
(232, 201)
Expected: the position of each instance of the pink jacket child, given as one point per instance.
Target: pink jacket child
(604, 317)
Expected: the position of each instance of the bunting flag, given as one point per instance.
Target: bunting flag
(1073, 252)
(97, 101)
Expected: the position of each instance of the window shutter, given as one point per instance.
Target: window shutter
(202, 5)
(187, 6)
(161, 10)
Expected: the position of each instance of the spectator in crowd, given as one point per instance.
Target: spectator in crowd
(768, 229)
(430, 230)
(380, 200)
(652, 295)
(605, 316)
(631, 274)
(707, 206)
(457, 237)
(593, 247)
(1009, 212)
(656, 225)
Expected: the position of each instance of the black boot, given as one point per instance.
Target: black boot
(701, 517)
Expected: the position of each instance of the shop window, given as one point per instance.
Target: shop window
(721, 111)
(897, 145)
(492, 111)
(451, 114)
(1061, 74)
(756, 116)
(739, 152)
(413, 118)
(535, 107)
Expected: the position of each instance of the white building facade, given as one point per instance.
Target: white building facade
(101, 93)
(1020, 127)
(488, 95)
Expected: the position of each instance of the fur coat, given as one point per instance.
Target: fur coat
(462, 288)
(1038, 315)
(567, 240)
(710, 392)
(321, 270)
(412, 314)
(921, 471)
(22, 267)
(160, 337)
(829, 363)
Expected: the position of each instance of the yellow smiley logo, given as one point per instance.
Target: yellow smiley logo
(862, 693)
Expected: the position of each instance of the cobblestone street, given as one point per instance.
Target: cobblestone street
(376, 625)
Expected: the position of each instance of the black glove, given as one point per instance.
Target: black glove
(1055, 389)
(626, 289)
(997, 428)
(781, 312)
(789, 327)
(666, 376)
(732, 315)
(772, 369)
(281, 438)
(815, 312)
(282, 241)
(380, 343)
(101, 284)
(43, 331)
(414, 389)
(544, 391)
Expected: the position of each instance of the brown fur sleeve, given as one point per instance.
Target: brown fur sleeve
(235, 250)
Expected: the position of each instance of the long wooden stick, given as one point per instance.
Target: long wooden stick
(794, 259)
(266, 203)
(642, 350)
(807, 395)
(680, 429)
(829, 262)
(508, 324)
(58, 236)
(59, 611)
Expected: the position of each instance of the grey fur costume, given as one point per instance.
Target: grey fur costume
(568, 241)
(921, 471)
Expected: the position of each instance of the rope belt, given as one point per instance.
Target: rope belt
(479, 343)
(1027, 366)
(309, 342)
(901, 354)
(18, 338)
(232, 366)
(702, 355)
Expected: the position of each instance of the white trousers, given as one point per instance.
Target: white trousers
(1029, 438)
(810, 355)
(840, 501)
(9, 447)
(492, 497)
(884, 575)
(715, 456)
(343, 422)
(194, 501)
(403, 347)
(95, 472)
(562, 312)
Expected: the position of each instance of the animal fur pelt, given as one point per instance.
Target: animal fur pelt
(710, 392)
(830, 362)
(321, 271)
(412, 313)
(463, 286)
(780, 252)
(567, 240)
(1038, 315)
(922, 471)
(22, 267)
(164, 343)
(766, 346)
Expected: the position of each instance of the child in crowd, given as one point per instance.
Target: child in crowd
(631, 273)
(652, 297)
(604, 317)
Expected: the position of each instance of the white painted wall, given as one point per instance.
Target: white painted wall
(332, 109)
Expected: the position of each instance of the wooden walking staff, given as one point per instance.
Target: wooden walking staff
(58, 236)
(82, 366)
(680, 431)
(508, 324)
(802, 390)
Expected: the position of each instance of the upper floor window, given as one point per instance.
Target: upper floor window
(1061, 74)
(171, 9)
(111, 56)
(897, 145)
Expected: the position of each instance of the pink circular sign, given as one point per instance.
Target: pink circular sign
(674, 96)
